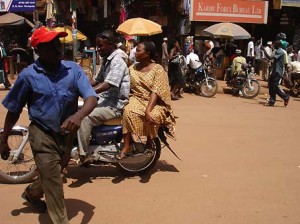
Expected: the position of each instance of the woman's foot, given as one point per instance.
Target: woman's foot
(173, 97)
(122, 154)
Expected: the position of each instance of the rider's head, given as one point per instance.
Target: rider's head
(238, 52)
(106, 43)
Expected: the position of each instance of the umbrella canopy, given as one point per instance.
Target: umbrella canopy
(18, 50)
(139, 27)
(69, 39)
(227, 30)
(11, 19)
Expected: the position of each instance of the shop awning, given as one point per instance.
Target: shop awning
(11, 19)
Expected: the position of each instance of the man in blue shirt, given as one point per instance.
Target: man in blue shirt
(50, 87)
(276, 75)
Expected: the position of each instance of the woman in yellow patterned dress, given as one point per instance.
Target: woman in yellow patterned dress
(149, 103)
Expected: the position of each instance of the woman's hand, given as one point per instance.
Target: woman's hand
(149, 118)
(151, 104)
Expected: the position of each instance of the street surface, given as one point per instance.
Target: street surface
(240, 164)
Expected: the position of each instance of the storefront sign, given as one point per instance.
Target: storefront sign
(17, 5)
(292, 3)
(241, 11)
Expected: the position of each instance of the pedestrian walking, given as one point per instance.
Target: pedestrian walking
(258, 56)
(276, 75)
(50, 87)
(165, 54)
(3, 75)
(250, 51)
(175, 75)
(265, 62)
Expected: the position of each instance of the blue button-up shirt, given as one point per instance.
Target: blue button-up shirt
(50, 98)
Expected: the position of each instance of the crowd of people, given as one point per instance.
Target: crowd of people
(269, 62)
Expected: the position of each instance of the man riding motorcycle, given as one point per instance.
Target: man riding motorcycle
(236, 65)
(294, 70)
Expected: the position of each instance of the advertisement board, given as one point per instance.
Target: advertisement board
(291, 3)
(17, 5)
(240, 11)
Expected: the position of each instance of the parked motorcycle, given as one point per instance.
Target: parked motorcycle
(199, 82)
(295, 84)
(244, 83)
(105, 144)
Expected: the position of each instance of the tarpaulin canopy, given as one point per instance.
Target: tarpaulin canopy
(12, 19)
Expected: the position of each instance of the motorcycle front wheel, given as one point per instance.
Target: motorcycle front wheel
(208, 88)
(141, 163)
(20, 169)
(251, 89)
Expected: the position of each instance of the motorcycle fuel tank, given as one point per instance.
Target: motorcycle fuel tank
(105, 133)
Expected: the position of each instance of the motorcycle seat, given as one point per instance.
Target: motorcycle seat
(114, 121)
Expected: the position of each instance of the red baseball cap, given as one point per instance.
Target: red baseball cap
(43, 35)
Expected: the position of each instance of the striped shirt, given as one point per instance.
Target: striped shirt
(115, 72)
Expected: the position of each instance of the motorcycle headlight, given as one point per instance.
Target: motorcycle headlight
(252, 70)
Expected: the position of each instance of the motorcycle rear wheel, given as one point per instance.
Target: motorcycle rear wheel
(208, 89)
(294, 91)
(23, 169)
(141, 164)
(251, 91)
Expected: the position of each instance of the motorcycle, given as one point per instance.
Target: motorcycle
(243, 82)
(295, 87)
(105, 144)
(200, 82)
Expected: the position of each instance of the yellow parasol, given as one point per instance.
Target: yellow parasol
(139, 27)
(69, 39)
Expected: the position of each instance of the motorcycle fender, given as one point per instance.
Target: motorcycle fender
(210, 78)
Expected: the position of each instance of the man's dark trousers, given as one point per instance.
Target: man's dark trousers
(274, 88)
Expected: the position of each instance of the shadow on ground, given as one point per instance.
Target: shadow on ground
(74, 207)
(83, 175)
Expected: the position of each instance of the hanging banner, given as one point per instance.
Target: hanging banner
(17, 5)
(240, 11)
(291, 3)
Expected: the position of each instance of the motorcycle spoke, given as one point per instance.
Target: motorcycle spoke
(23, 164)
(251, 90)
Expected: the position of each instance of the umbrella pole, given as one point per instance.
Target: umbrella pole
(74, 29)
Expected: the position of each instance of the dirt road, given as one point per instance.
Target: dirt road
(240, 164)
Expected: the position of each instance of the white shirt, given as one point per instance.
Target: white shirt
(122, 54)
(295, 67)
(257, 52)
(268, 51)
(193, 60)
(250, 53)
(132, 55)
(211, 44)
